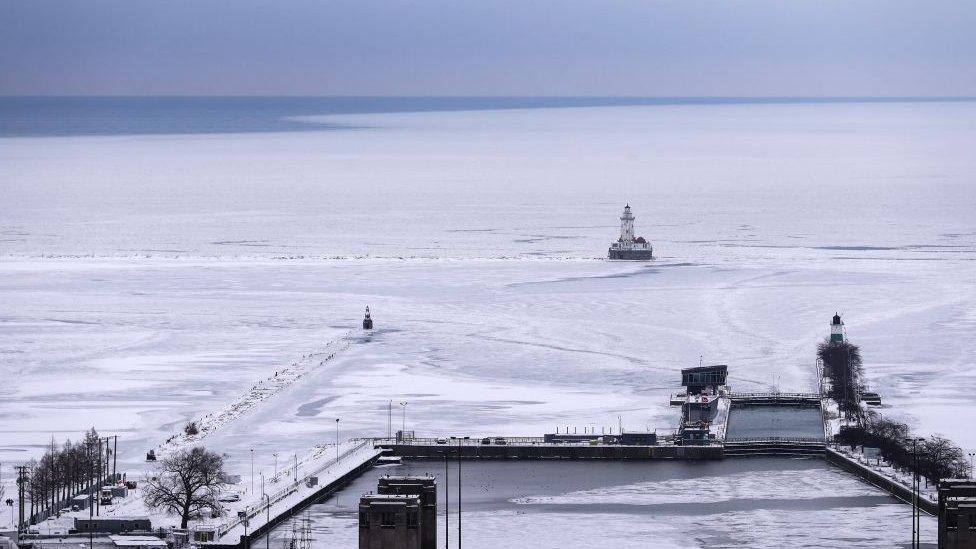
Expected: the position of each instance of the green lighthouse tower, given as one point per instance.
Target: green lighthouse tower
(836, 329)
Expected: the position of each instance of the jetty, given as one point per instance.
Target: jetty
(320, 477)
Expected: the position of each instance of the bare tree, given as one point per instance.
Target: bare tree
(187, 483)
(940, 459)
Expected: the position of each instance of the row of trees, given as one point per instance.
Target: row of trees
(937, 457)
(64, 472)
(842, 368)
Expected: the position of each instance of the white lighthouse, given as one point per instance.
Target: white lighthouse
(628, 246)
(627, 225)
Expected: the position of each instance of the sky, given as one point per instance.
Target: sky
(488, 47)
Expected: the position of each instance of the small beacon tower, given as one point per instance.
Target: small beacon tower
(836, 329)
(367, 321)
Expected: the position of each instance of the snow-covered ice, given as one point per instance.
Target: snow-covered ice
(147, 281)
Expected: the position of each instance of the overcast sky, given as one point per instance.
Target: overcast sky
(489, 47)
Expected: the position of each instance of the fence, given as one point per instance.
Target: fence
(773, 440)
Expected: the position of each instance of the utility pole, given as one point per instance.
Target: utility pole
(389, 420)
(252, 470)
(98, 481)
(91, 490)
(447, 502)
(115, 457)
(459, 492)
(21, 495)
(267, 521)
(337, 440)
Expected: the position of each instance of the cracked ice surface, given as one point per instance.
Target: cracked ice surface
(147, 281)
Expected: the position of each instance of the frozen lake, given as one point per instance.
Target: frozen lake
(774, 421)
(149, 279)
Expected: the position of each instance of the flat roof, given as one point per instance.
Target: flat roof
(136, 541)
(721, 367)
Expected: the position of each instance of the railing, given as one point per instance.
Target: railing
(471, 441)
(271, 499)
(783, 396)
(789, 440)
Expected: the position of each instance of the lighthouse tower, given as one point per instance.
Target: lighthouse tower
(627, 225)
(836, 329)
(629, 246)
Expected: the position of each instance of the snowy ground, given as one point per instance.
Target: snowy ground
(150, 280)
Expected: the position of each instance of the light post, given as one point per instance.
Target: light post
(916, 489)
(243, 516)
(403, 420)
(267, 507)
(337, 440)
(252, 470)
(972, 472)
(276, 465)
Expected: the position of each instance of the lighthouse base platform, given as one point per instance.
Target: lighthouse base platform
(631, 255)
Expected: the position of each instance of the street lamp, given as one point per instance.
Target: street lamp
(252, 470)
(337, 440)
(916, 494)
(972, 472)
(267, 506)
(403, 420)
(276, 465)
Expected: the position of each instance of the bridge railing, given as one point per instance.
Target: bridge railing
(273, 498)
(803, 396)
(799, 440)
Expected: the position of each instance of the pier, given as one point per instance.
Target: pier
(323, 476)
(537, 448)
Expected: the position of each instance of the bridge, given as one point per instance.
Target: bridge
(775, 446)
(776, 399)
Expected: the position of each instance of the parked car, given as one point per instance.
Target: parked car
(500, 440)
(229, 498)
(442, 441)
(486, 440)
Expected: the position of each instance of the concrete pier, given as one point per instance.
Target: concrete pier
(526, 448)
(896, 489)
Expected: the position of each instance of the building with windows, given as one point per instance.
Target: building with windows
(704, 379)
(390, 522)
(957, 514)
(401, 515)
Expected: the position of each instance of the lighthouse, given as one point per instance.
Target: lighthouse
(627, 225)
(367, 321)
(628, 246)
(836, 329)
